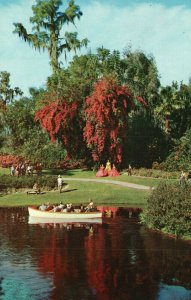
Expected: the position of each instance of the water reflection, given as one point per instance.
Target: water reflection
(75, 222)
(118, 259)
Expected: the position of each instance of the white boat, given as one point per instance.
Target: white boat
(39, 220)
(35, 212)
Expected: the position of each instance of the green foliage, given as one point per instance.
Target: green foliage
(141, 75)
(20, 121)
(146, 142)
(150, 134)
(8, 182)
(156, 173)
(173, 112)
(7, 93)
(180, 157)
(143, 133)
(169, 209)
(47, 33)
(23, 136)
(39, 149)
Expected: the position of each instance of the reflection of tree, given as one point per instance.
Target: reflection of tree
(62, 254)
(118, 260)
(115, 266)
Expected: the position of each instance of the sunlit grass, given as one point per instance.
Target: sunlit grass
(152, 182)
(81, 192)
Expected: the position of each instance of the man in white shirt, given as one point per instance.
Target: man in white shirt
(60, 183)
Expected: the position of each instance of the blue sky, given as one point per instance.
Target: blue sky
(161, 28)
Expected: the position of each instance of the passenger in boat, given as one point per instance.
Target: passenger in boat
(69, 207)
(64, 209)
(89, 207)
(56, 208)
(49, 206)
(43, 207)
(60, 183)
(61, 205)
(82, 208)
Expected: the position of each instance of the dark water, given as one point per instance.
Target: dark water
(118, 259)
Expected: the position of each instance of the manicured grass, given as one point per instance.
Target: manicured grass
(78, 173)
(81, 192)
(152, 182)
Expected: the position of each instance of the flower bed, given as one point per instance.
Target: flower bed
(6, 160)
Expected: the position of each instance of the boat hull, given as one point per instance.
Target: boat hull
(34, 212)
(39, 220)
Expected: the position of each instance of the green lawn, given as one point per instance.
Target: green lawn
(81, 192)
(152, 182)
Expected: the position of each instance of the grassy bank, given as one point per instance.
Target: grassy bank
(81, 192)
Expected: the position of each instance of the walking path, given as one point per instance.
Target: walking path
(121, 183)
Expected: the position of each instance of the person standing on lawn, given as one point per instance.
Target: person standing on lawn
(60, 183)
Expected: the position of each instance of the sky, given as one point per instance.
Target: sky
(161, 28)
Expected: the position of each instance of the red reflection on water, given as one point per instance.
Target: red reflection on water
(119, 259)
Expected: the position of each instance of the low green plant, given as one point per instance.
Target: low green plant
(8, 182)
(154, 173)
(169, 209)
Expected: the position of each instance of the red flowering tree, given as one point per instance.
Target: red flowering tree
(59, 118)
(106, 114)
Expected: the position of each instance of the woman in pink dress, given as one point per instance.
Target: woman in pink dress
(114, 172)
(101, 172)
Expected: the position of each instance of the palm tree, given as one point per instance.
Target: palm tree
(46, 34)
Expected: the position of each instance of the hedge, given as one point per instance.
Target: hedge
(169, 209)
(8, 182)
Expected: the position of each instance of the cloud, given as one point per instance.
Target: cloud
(164, 32)
(26, 66)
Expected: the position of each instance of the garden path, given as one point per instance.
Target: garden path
(121, 183)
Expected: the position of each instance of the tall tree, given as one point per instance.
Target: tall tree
(59, 117)
(106, 113)
(142, 76)
(47, 34)
(174, 110)
(21, 135)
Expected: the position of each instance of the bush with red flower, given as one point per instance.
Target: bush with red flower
(107, 112)
(6, 160)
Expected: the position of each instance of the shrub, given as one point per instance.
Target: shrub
(169, 209)
(156, 173)
(6, 160)
(180, 157)
(8, 182)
